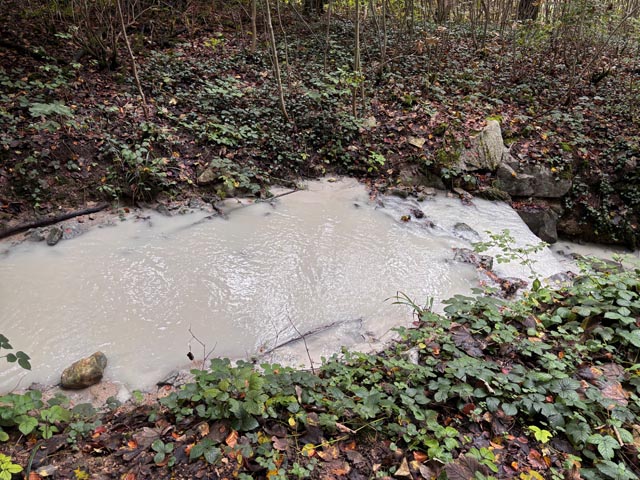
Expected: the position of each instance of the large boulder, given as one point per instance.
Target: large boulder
(542, 222)
(530, 180)
(85, 372)
(486, 150)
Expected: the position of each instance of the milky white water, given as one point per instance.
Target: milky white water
(324, 256)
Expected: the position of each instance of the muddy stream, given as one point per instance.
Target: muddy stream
(323, 259)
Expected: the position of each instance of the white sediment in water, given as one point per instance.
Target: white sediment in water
(319, 257)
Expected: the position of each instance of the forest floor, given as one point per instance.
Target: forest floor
(71, 133)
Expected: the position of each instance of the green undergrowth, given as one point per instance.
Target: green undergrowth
(557, 370)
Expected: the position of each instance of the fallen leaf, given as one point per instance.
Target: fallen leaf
(464, 468)
(349, 445)
(420, 457)
(339, 468)
(613, 391)
(328, 452)
(343, 428)
(426, 472)
(416, 141)
(203, 429)
(47, 470)
(537, 460)
(232, 439)
(403, 471)
(309, 450)
(281, 444)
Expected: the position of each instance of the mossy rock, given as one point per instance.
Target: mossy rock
(493, 194)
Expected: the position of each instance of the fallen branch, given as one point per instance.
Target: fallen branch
(308, 333)
(261, 200)
(205, 354)
(50, 221)
(306, 347)
(22, 50)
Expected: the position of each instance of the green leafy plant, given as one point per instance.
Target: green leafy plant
(20, 357)
(509, 252)
(7, 467)
(163, 452)
(205, 448)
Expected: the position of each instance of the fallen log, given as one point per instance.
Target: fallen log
(51, 220)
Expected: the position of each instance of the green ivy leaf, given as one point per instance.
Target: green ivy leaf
(211, 455)
(606, 444)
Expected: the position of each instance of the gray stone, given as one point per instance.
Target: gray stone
(36, 235)
(486, 150)
(561, 279)
(163, 210)
(85, 372)
(209, 175)
(493, 194)
(530, 180)
(466, 255)
(411, 175)
(427, 191)
(399, 191)
(465, 232)
(54, 236)
(542, 222)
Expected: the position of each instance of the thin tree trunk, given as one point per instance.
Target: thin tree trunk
(327, 38)
(276, 64)
(254, 26)
(286, 45)
(528, 9)
(384, 33)
(145, 107)
(356, 62)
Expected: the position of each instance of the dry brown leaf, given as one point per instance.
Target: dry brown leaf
(349, 445)
(328, 453)
(538, 461)
(426, 472)
(403, 471)
(281, 444)
(203, 429)
(613, 391)
(343, 428)
(339, 468)
(420, 457)
(232, 439)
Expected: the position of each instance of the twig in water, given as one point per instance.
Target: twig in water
(260, 200)
(306, 347)
(205, 354)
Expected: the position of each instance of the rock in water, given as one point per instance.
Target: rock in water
(465, 232)
(542, 222)
(85, 372)
(54, 236)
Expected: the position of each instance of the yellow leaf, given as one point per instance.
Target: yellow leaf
(531, 475)
(309, 450)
